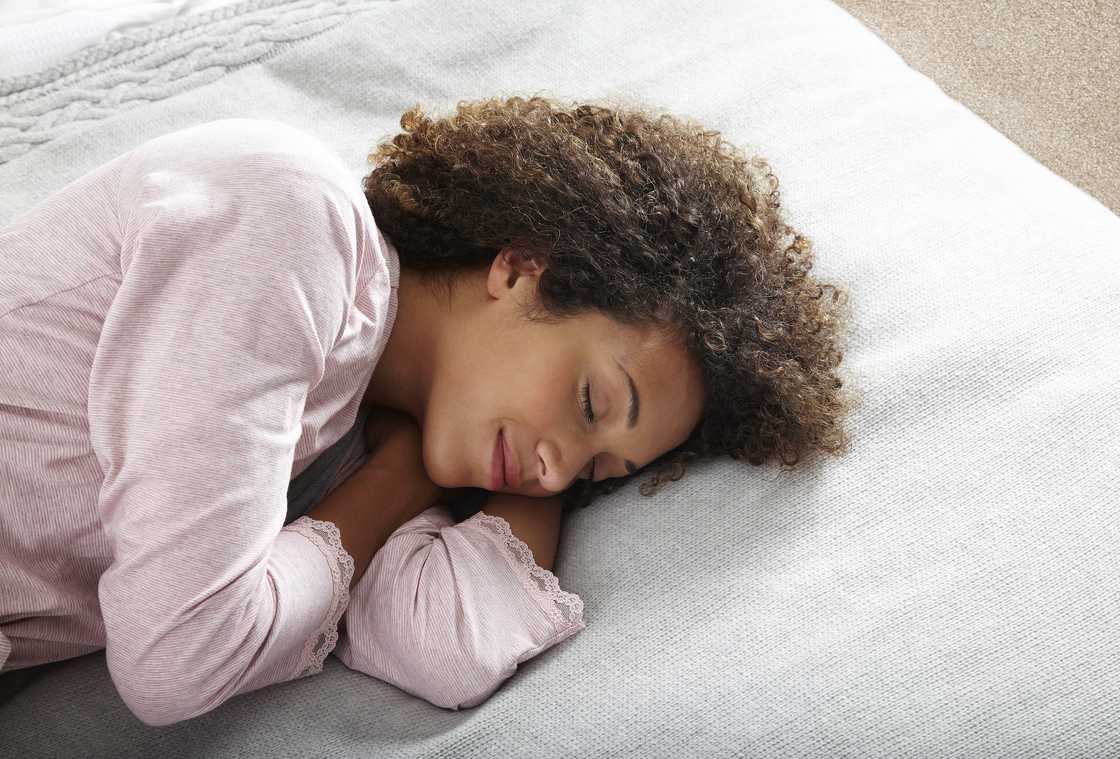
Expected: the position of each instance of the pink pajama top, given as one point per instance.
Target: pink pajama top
(183, 331)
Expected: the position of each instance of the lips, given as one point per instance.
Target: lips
(497, 464)
(513, 472)
(504, 471)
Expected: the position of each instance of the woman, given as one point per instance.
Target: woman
(567, 296)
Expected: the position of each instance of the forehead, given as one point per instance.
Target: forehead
(665, 373)
(645, 348)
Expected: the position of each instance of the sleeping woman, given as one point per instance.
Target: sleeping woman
(522, 306)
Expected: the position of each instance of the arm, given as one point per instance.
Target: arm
(367, 508)
(447, 611)
(536, 521)
(233, 285)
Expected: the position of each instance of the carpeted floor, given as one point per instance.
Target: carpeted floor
(1045, 73)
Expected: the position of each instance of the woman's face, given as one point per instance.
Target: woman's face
(501, 372)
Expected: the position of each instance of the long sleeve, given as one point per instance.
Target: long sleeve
(447, 611)
(237, 265)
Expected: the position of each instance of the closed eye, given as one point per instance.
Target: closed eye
(589, 413)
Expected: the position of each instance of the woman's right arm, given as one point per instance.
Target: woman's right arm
(534, 520)
(233, 279)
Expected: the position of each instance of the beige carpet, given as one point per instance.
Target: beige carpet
(1045, 73)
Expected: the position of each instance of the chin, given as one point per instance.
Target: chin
(432, 465)
(440, 460)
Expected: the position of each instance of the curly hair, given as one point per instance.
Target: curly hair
(650, 220)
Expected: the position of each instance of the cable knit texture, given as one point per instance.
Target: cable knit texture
(154, 63)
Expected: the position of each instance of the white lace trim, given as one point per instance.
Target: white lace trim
(565, 609)
(317, 648)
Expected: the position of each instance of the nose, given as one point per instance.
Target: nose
(557, 473)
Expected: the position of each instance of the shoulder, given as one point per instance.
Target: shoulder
(238, 137)
(246, 155)
(263, 180)
(246, 195)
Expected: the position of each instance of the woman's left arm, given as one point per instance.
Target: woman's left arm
(534, 520)
(447, 610)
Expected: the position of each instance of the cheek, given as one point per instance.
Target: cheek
(462, 416)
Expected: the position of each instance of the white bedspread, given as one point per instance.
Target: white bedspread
(39, 34)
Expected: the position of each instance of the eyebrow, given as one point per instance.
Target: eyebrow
(632, 417)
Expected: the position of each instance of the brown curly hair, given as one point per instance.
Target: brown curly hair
(648, 220)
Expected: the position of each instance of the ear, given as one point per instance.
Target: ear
(512, 263)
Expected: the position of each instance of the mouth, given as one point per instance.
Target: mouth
(512, 470)
(498, 464)
(503, 466)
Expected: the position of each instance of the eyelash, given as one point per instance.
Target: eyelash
(590, 416)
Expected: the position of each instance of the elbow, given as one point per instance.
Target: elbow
(154, 711)
(160, 717)
(156, 698)
(450, 680)
(476, 697)
(432, 661)
(463, 687)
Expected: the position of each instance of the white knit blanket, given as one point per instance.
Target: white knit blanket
(950, 588)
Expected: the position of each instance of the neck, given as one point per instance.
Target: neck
(402, 379)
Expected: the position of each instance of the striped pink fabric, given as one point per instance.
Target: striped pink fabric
(182, 331)
(447, 611)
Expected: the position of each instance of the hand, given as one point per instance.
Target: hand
(393, 440)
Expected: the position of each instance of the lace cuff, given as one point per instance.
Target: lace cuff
(563, 608)
(326, 537)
